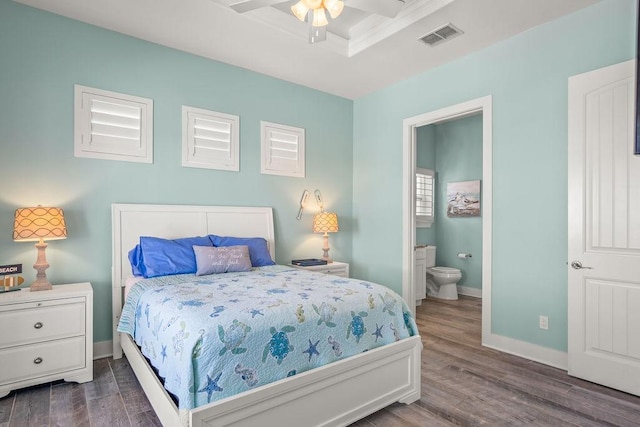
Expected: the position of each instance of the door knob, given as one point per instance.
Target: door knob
(577, 265)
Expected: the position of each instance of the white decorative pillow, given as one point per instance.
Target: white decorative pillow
(224, 259)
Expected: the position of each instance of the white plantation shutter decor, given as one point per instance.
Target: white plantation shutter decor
(282, 150)
(425, 192)
(112, 126)
(210, 140)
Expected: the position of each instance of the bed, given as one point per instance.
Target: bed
(335, 394)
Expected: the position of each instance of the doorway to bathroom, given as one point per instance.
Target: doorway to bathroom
(419, 146)
(453, 150)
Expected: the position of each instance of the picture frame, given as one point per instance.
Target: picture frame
(463, 199)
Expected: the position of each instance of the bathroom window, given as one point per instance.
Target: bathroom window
(425, 192)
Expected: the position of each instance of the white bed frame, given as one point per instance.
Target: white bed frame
(333, 395)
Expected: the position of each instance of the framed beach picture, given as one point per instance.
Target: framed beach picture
(463, 199)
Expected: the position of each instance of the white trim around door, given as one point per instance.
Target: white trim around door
(485, 106)
(481, 105)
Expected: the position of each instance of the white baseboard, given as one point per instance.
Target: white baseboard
(471, 292)
(102, 349)
(537, 353)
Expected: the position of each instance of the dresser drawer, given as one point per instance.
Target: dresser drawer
(38, 360)
(29, 323)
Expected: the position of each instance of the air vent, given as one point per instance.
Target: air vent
(446, 32)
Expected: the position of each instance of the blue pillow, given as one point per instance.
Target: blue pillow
(136, 261)
(162, 257)
(258, 249)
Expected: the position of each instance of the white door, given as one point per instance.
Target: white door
(604, 229)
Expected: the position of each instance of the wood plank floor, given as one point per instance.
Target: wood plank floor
(462, 384)
(114, 398)
(466, 384)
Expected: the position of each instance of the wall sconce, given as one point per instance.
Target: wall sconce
(303, 203)
(35, 225)
(319, 200)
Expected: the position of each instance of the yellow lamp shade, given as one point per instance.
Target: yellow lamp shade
(325, 222)
(40, 222)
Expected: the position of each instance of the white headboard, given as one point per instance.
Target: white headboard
(129, 222)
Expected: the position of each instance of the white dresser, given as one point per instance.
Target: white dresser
(46, 336)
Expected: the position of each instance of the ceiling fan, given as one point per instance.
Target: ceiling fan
(313, 11)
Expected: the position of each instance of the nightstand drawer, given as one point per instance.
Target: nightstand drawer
(38, 360)
(335, 268)
(338, 271)
(28, 323)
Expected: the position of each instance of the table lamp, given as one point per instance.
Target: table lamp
(325, 222)
(38, 224)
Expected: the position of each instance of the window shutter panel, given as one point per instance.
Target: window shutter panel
(425, 195)
(113, 126)
(282, 150)
(210, 139)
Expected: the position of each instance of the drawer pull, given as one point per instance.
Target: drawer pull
(38, 325)
(37, 360)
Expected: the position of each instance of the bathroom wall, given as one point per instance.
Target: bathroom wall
(459, 158)
(454, 150)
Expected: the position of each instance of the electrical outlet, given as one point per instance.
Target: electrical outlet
(544, 322)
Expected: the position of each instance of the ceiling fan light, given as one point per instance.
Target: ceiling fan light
(312, 4)
(334, 7)
(319, 18)
(300, 10)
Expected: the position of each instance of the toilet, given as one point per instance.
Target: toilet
(441, 281)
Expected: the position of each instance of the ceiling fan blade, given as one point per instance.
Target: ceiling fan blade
(388, 8)
(249, 5)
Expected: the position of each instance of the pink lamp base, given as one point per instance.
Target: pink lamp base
(41, 265)
(325, 248)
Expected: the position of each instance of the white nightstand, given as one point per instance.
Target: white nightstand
(46, 336)
(335, 268)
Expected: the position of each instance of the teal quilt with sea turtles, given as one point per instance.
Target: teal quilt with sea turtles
(211, 337)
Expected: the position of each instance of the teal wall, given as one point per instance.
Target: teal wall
(458, 157)
(356, 162)
(527, 77)
(454, 150)
(44, 55)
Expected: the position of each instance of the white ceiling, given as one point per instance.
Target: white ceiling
(363, 52)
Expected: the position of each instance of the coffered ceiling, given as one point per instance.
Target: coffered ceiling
(367, 47)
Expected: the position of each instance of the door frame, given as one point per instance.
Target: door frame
(482, 106)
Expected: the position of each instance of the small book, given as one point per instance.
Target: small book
(308, 262)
